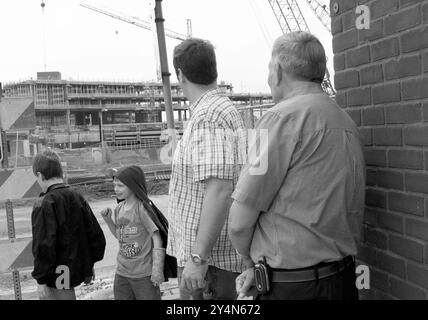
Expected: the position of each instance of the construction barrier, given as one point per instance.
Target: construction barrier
(18, 183)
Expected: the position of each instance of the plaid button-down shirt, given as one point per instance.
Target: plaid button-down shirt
(213, 145)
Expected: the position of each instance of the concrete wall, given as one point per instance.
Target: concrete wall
(382, 82)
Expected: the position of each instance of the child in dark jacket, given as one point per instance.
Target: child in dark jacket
(141, 257)
(67, 239)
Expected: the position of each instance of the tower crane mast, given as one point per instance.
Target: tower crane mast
(137, 22)
(320, 10)
(290, 19)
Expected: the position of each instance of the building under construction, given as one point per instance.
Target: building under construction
(73, 114)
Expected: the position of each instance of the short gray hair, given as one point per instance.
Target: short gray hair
(300, 54)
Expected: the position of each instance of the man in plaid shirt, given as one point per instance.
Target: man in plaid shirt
(205, 170)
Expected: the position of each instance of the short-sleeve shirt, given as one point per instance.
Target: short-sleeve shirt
(134, 230)
(213, 145)
(311, 198)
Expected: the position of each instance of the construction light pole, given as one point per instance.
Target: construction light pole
(160, 30)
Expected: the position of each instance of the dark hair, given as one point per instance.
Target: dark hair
(48, 164)
(196, 59)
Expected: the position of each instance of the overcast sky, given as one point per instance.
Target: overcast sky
(84, 45)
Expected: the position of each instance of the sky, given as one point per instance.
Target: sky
(85, 45)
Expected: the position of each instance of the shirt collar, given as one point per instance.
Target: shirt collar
(206, 94)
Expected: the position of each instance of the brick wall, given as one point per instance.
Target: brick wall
(382, 82)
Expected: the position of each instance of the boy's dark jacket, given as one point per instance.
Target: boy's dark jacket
(65, 232)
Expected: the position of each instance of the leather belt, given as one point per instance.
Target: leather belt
(310, 274)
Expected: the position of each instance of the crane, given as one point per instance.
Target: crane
(320, 10)
(140, 22)
(290, 18)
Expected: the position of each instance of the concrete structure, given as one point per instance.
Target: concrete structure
(74, 113)
(382, 82)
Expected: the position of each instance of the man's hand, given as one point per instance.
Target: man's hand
(244, 282)
(106, 214)
(193, 277)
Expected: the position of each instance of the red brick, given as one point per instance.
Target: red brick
(339, 62)
(379, 280)
(417, 229)
(387, 136)
(373, 116)
(390, 179)
(406, 203)
(406, 291)
(346, 79)
(358, 56)
(375, 32)
(406, 159)
(371, 177)
(341, 99)
(366, 136)
(426, 160)
(425, 111)
(417, 182)
(415, 88)
(391, 264)
(417, 275)
(376, 238)
(425, 64)
(360, 97)
(336, 25)
(407, 248)
(366, 254)
(355, 116)
(385, 49)
(410, 113)
(386, 93)
(348, 20)
(390, 221)
(416, 136)
(404, 3)
(425, 12)
(414, 40)
(345, 40)
(375, 198)
(402, 20)
(380, 8)
(376, 158)
(370, 216)
(404, 67)
(371, 74)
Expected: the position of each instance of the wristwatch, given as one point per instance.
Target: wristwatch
(196, 259)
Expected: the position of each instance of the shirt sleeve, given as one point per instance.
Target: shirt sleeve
(44, 229)
(271, 147)
(212, 152)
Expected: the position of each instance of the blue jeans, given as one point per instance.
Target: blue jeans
(135, 289)
(220, 286)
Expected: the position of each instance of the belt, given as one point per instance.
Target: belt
(319, 271)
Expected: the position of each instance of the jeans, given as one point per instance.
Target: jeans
(220, 286)
(135, 289)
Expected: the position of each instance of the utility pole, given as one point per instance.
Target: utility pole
(165, 72)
